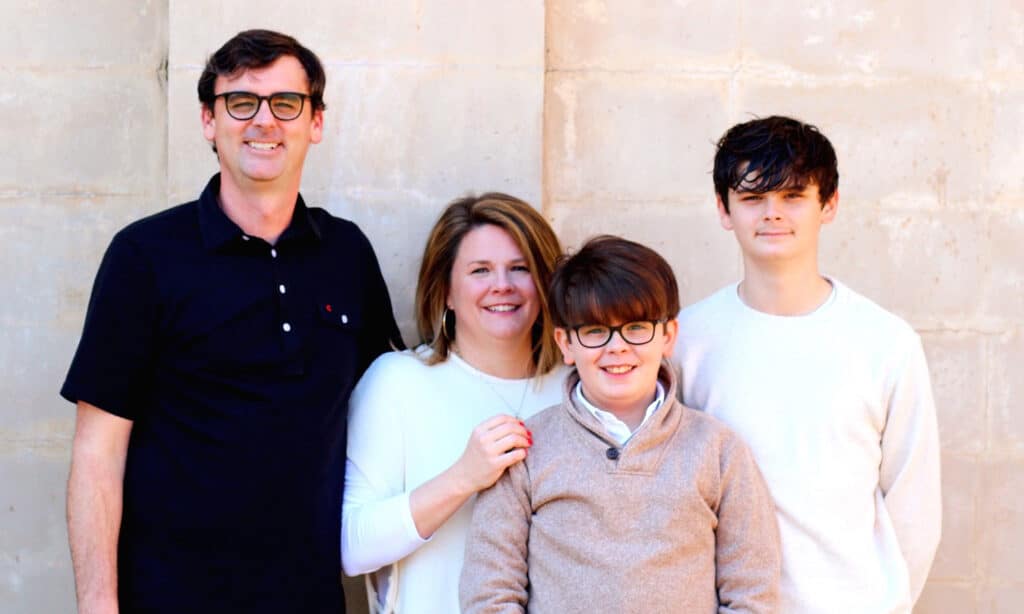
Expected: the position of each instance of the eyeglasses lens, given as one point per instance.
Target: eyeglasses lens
(242, 106)
(286, 106)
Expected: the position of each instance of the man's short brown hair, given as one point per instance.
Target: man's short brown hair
(257, 49)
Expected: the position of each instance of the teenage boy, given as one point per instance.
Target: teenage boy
(628, 501)
(830, 391)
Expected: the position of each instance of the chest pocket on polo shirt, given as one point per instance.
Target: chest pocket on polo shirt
(336, 336)
(339, 316)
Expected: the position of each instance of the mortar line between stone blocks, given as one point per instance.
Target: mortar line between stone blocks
(776, 74)
(427, 65)
(87, 194)
(986, 405)
(545, 197)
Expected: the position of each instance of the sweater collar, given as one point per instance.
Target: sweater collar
(648, 434)
(615, 427)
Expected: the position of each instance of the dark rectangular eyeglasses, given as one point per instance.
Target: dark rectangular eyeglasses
(633, 333)
(285, 106)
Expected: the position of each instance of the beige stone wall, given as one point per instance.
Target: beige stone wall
(82, 103)
(604, 113)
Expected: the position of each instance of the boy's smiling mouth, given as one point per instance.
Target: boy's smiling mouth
(618, 369)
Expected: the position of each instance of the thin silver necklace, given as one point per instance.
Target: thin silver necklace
(515, 411)
(522, 397)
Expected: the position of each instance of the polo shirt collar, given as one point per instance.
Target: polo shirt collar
(217, 229)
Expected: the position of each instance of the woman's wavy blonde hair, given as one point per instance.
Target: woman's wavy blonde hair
(531, 234)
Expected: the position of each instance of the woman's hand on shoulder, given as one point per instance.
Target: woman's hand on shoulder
(493, 446)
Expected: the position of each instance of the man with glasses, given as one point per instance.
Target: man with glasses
(222, 340)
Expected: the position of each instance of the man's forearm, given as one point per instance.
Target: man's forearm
(95, 489)
(94, 520)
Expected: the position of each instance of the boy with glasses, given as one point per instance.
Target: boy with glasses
(627, 501)
(830, 391)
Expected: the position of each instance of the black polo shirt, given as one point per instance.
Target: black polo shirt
(234, 359)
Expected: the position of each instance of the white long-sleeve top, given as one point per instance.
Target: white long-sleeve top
(407, 423)
(838, 410)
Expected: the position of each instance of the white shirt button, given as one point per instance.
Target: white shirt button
(344, 319)
(281, 288)
(245, 237)
(273, 253)
(286, 327)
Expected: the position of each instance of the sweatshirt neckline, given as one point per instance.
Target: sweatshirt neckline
(819, 312)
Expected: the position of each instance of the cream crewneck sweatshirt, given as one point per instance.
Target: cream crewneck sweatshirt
(837, 408)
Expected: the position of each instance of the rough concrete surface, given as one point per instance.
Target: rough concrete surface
(603, 113)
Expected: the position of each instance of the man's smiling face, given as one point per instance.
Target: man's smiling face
(263, 149)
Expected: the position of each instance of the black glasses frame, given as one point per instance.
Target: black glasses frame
(259, 102)
(618, 329)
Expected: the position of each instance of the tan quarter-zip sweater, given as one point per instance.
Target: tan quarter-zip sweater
(676, 520)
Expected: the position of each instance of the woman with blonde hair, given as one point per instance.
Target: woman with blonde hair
(430, 427)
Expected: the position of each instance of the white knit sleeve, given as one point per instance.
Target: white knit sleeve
(909, 474)
(377, 528)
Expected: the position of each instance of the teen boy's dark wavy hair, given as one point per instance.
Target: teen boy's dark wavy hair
(773, 153)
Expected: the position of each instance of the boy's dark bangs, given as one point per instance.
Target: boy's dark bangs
(769, 174)
(609, 300)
